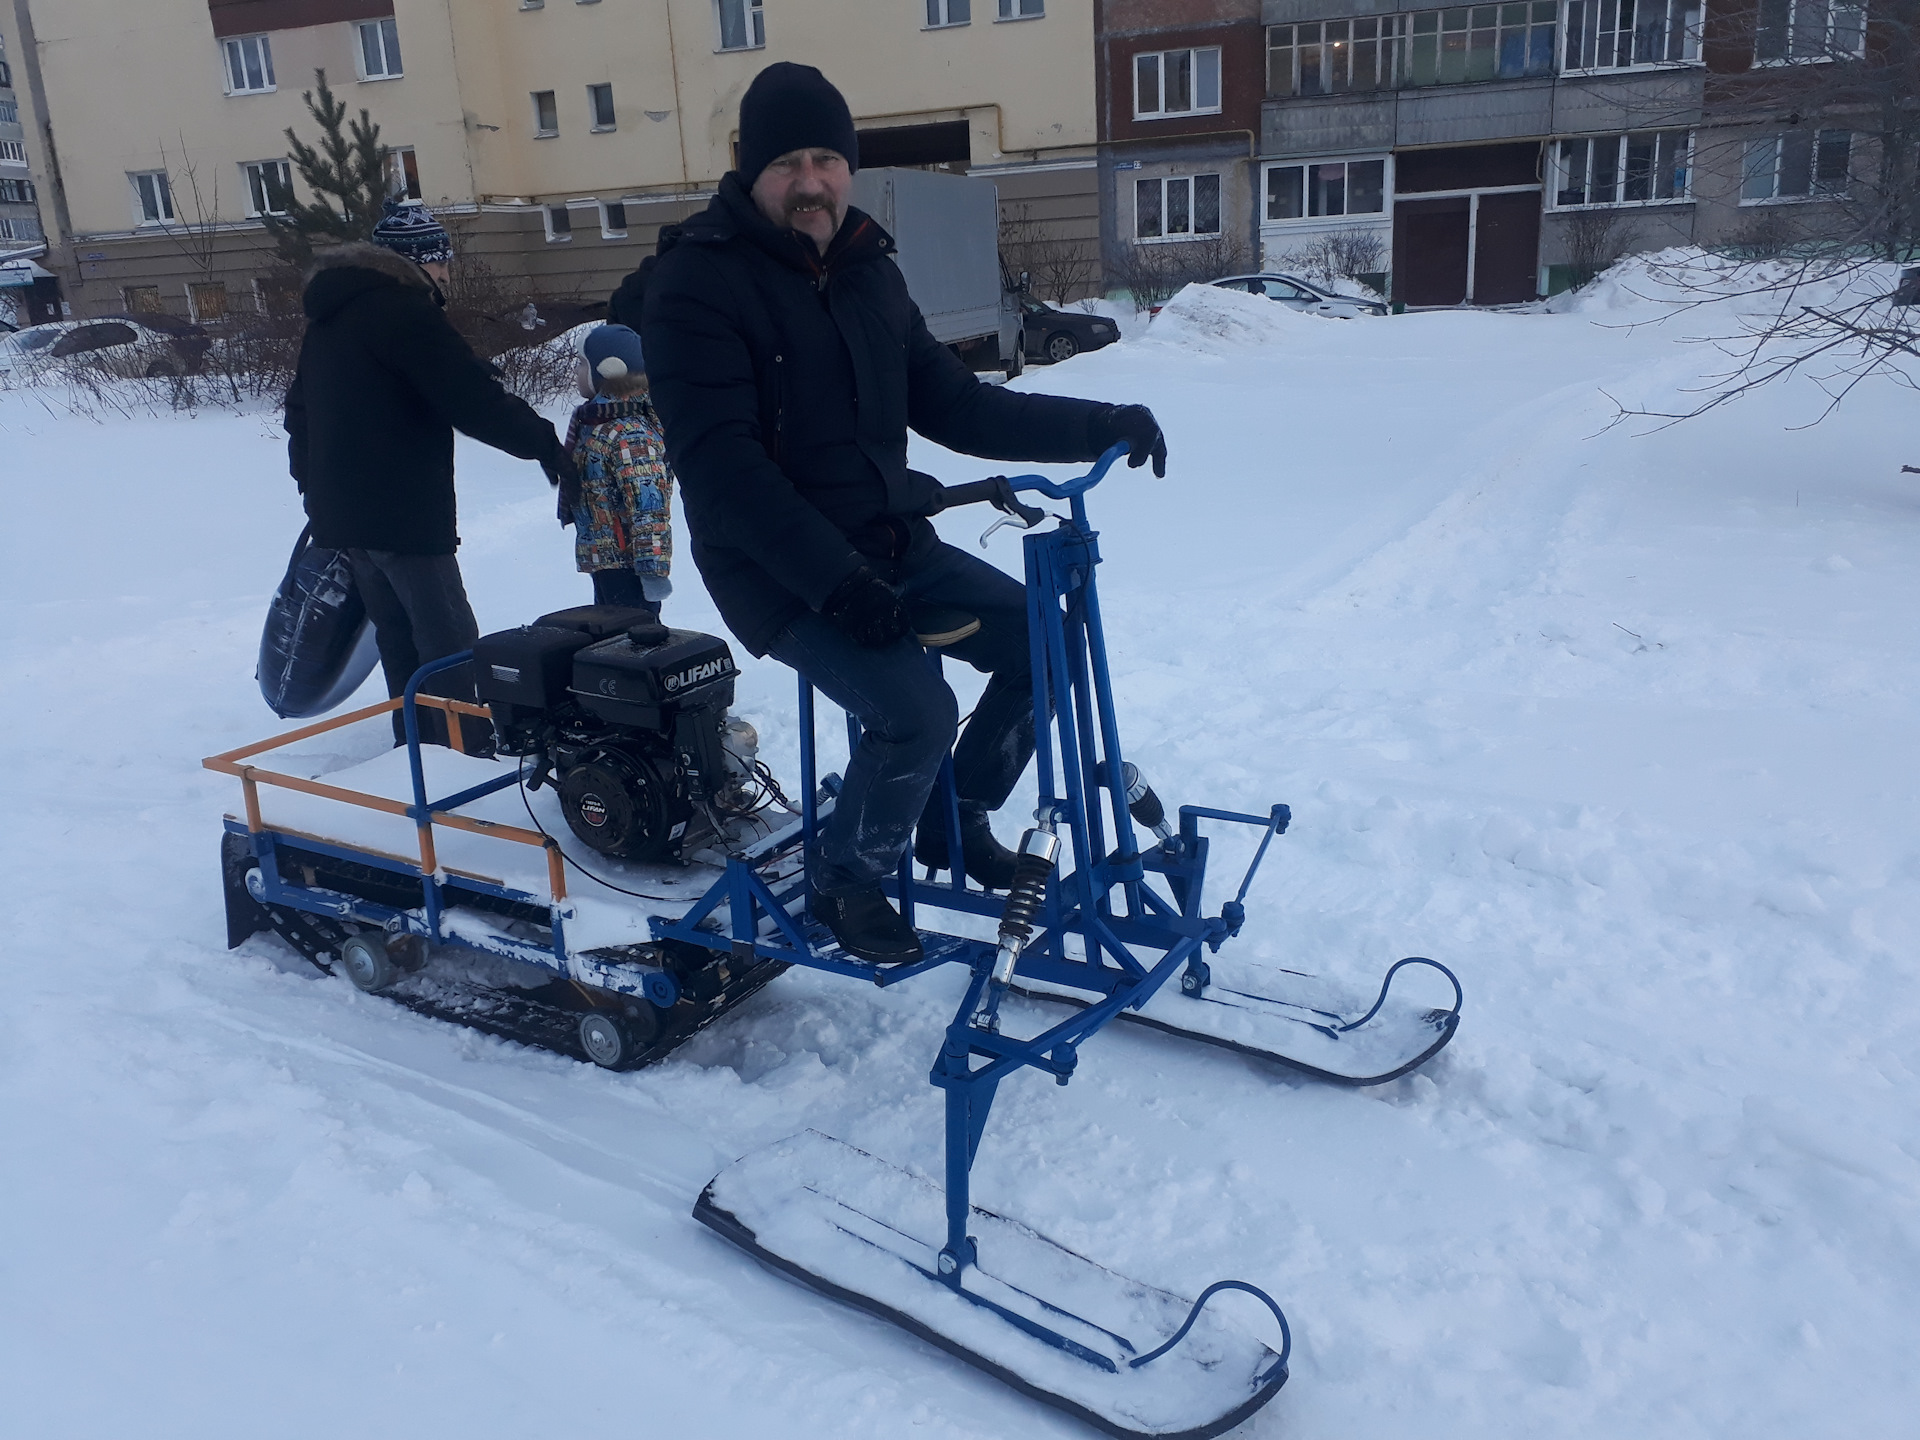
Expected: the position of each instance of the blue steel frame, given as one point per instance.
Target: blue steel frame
(1107, 902)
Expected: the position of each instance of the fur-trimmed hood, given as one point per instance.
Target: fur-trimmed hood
(342, 273)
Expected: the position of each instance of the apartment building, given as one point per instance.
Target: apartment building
(1475, 152)
(1180, 88)
(27, 294)
(556, 136)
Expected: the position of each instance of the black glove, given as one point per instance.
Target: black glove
(866, 608)
(565, 477)
(1135, 425)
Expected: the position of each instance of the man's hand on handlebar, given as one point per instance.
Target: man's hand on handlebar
(1135, 425)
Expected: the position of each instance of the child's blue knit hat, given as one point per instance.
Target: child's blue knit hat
(612, 351)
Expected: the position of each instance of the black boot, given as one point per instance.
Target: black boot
(989, 863)
(867, 927)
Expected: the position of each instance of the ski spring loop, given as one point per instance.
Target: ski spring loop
(1286, 1333)
(1459, 997)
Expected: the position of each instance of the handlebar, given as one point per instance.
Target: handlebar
(1079, 485)
(998, 490)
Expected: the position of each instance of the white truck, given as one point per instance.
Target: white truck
(947, 230)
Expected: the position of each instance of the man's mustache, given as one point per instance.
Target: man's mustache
(807, 202)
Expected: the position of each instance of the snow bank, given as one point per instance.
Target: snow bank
(1647, 286)
(1213, 321)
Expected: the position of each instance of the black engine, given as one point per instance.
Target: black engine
(629, 720)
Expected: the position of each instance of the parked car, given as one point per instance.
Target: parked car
(22, 352)
(1304, 295)
(134, 345)
(1055, 335)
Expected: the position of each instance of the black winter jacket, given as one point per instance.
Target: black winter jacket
(786, 384)
(383, 382)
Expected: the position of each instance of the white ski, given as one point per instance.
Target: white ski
(1302, 1021)
(869, 1233)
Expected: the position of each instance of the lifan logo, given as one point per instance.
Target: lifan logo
(698, 674)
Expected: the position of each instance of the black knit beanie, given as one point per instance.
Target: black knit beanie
(792, 107)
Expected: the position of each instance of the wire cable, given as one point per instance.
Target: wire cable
(520, 777)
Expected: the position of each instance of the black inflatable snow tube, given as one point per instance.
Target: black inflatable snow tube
(317, 646)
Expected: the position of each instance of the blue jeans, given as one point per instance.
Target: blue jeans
(909, 716)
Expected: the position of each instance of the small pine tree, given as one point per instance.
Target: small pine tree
(346, 173)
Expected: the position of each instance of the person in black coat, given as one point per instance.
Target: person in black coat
(788, 362)
(382, 383)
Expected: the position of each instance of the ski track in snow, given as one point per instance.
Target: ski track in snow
(1617, 725)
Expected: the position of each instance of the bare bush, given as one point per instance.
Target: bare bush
(518, 332)
(1764, 234)
(1154, 274)
(1596, 237)
(1057, 268)
(1353, 254)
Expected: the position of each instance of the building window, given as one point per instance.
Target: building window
(546, 114)
(1613, 34)
(1800, 165)
(16, 192)
(9, 113)
(600, 106)
(1333, 57)
(1802, 31)
(403, 173)
(20, 227)
(379, 50)
(269, 187)
(142, 300)
(207, 300)
(613, 220)
(743, 26)
(14, 151)
(152, 197)
(1481, 42)
(1178, 207)
(249, 65)
(1022, 9)
(1646, 168)
(559, 222)
(942, 13)
(1176, 82)
(1322, 189)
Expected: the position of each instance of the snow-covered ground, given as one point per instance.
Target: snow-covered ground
(1619, 725)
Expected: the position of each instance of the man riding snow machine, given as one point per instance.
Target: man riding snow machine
(631, 728)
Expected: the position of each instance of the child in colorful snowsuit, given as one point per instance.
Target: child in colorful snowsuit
(621, 508)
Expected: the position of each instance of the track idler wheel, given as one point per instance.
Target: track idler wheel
(617, 1040)
(367, 961)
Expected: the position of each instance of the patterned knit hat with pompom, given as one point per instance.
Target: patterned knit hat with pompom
(409, 229)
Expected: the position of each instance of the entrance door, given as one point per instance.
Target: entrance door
(1506, 245)
(1430, 250)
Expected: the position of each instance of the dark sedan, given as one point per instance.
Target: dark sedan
(1056, 335)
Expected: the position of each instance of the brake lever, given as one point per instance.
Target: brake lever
(1012, 512)
(1020, 521)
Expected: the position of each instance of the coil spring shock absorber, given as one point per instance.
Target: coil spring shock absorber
(1039, 849)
